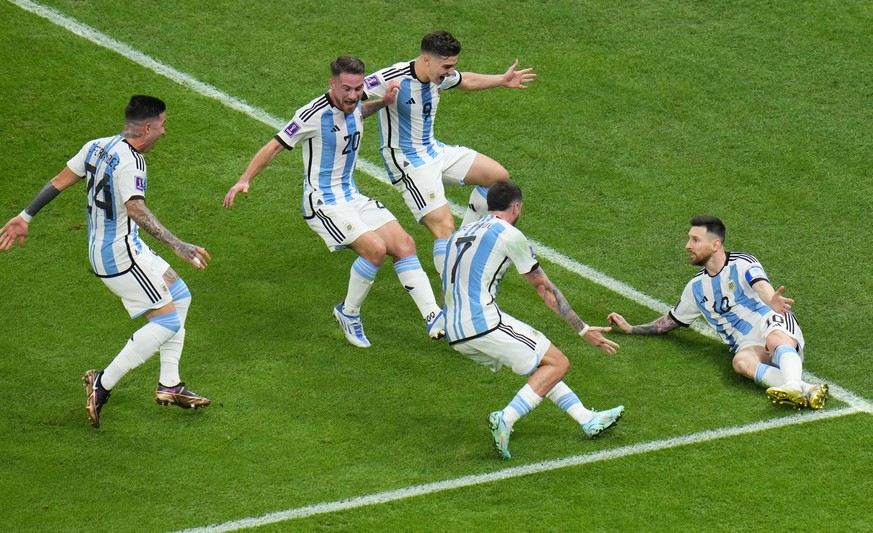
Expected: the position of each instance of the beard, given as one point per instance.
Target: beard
(700, 260)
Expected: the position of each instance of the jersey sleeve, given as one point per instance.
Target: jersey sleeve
(752, 271)
(375, 85)
(686, 311)
(296, 131)
(130, 181)
(450, 81)
(519, 251)
(77, 162)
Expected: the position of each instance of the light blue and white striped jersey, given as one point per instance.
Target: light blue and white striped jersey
(115, 173)
(406, 126)
(330, 140)
(727, 300)
(477, 257)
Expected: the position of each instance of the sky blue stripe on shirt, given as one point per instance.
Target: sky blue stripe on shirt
(328, 157)
(427, 126)
(349, 187)
(107, 254)
(477, 268)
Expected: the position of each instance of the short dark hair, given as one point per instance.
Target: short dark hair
(347, 65)
(141, 108)
(502, 195)
(712, 224)
(440, 43)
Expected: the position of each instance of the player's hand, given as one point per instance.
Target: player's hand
(595, 337)
(14, 230)
(231, 194)
(391, 92)
(517, 79)
(617, 320)
(195, 255)
(780, 303)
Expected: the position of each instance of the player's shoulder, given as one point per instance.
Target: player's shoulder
(700, 274)
(315, 108)
(395, 71)
(742, 258)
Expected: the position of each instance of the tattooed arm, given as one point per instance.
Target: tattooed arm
(658, 326)
(145, 219)
(371, 106)
(556, 301)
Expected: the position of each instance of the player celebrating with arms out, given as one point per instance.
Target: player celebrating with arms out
(418, 164)
(146, 284)
(734, 295)
(478, 257)
(329, 128)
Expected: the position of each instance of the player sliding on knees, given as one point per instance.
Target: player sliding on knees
(147, 285)
(734, 295)
(329, 128)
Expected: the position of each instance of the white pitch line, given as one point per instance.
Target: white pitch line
(857, 403)
(518, 471)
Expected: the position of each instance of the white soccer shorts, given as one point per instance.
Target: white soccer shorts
(513, 344)
(341, 224)
(142, 287)
(423, 188)
(786, 323)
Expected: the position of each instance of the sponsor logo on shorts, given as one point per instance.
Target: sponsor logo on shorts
(291, 129)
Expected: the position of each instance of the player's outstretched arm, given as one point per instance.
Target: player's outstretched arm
(658, 326)
(261, 159)
(774, 298)
(556, 301)
(142, 215)
(512, 78)
(16, 230)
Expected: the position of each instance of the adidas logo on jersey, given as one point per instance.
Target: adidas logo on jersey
(410, 101)
(335, 128)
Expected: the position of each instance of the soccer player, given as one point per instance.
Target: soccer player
(329, 128)
(733, 293)
(147, 285)
(478, 256)
(418, 164)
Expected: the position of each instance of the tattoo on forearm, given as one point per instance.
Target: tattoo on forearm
(656, 327)
(369, 108)
(146, 220)
(566, 311)
(554, 298)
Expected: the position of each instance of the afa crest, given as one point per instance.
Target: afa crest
(731, 286)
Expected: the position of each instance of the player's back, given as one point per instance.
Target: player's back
(115, 172)
(477, 258)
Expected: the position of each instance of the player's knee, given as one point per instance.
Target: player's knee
(401, 246)
(745, 365)
(559, 362)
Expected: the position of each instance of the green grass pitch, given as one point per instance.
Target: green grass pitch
(643, 114)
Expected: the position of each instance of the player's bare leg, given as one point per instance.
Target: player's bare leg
(484, 173)
(401, 247)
